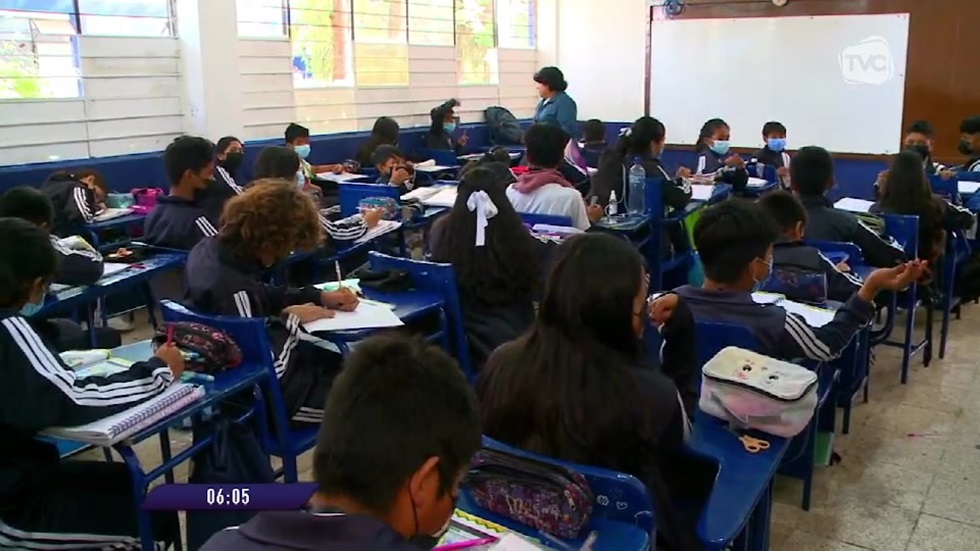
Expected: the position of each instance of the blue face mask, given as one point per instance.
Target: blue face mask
(761, 283)
(31, 308)
(303, 151)
(720, 147)
(449, 127)
(776, 144)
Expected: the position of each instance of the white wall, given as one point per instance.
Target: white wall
(601, 48)
(140, 93)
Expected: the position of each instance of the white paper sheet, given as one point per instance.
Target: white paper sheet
(968, 188)
(433, 168)
(815, 316)
(367, 316)
(446, 197)
(422, 193)
(383, 227)
(110, 213)
(762, 297)
(110, 268)
(549, 228)
(851, 204)
(340, 178)
(701, 192)
(757, 182)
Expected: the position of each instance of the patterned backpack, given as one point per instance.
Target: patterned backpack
(545, 496)
(205, 350)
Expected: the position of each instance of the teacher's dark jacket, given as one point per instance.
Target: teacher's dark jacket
(559, 110)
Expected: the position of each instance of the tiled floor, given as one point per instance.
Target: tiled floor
(910, 475)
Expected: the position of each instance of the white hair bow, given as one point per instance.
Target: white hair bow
(480, 202)
(625, 131)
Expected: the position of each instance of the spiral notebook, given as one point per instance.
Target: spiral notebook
(114, 428)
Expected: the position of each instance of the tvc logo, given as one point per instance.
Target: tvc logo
(867, 62)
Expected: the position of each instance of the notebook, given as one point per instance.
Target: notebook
(464, 527)
(114, 428)
(339, 178)
(110, 268)
(968, 188)
(814, 315)
(851, 204)
(701, 192)
(445, 197)
(549, 228)
(432, 168)
(110, 213)
(383, 227)
(366, 316)
(757, 182)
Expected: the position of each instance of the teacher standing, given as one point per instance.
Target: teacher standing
(556, 107)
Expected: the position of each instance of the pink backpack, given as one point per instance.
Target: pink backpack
(147, 196)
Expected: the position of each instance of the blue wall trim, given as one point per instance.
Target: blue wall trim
(855, 178)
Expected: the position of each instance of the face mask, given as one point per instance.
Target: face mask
(720, 146)
(760, 283)
(31, 308)
(920, 150)
(965, 147)
(449, 127)
(303, 151)
(776, 144)
(233, 160)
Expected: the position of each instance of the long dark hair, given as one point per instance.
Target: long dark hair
(907, 191)
(644, 132)
(636, 143)
(506, 268)
(26, 255)
(276, 162)
(707, 131)
(384, 132)
(572, 394)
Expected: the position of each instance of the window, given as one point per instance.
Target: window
(37, 54)
(476, 43)
(261, 18)
(381, 43)
(125, 17)
(430, 22)
(516, 24)
(320, 31)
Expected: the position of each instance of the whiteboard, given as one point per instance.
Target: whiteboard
(834, 81)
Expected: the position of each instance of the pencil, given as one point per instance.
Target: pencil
(466, 544)
(340, 279)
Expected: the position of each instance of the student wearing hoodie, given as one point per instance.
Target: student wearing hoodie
(543, 189)
(228, 160)
(179, 220)
(774, 152)
(368, 497)
(77, 197)
(970, 144)
(440, 134)
(712, 147)
(593, 142)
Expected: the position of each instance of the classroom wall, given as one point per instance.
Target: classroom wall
(942, 82)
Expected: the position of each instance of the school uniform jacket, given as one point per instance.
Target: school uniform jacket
(73, 202)
(825, 223)
(78, 264)
(442, 142)
(710, 162)
(40, 391)
(212, 198)
(781, 334)
(954, 218)
(217, 281)
(778, 159)
(178, 223)
(302, 531)
(345, 229)
(797, 256)
(973, 165)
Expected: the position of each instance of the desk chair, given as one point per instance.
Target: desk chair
(713, 337)
(350, 195)
(441, 279)
(622, 513)
(659, 266)
(252, 338)
(905, 230)
(550, 219)
(958, 251)
(948, 189)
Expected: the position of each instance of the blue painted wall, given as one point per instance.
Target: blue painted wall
(855, 178)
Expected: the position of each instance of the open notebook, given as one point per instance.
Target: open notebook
(120, 426)
(369, 315)
(851, 204)
(702, 192)
(433, 196)
(814, 315)
(110, 213)
(757, 182)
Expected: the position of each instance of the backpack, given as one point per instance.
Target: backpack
(205, 350)
(502, 126)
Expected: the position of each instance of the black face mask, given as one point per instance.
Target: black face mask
(233, 161)
(920, 150)
(965, 147)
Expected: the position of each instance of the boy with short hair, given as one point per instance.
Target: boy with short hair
(179, 220)
(735, 242)
(393, 169)
(970, 143)
(811, 176)
(789, 253)
(774, 152)
(298, 139)
(394, 490)
(593, 141)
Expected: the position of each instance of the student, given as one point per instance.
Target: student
(179, 220)
(480, 237)
(393, 169)
(77, 197)
(409, 397)
(774, 153)
(593, 142)
(735, 242)
(223, 276)
(919, 138)
(497, 161)
(790, 254)
(46, 503)
(556, 106)
(440, 134)
(282, 163)
(385, 132)
(578, 385)
(970, 143)
(229, 156)
(906, 190)
(811, 176)
(543, 190)
(713, 146)
(298, 139)
(645, 140)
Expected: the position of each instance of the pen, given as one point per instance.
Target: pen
(466, 544)
(340, 280)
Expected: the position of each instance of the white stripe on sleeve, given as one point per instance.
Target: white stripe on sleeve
(850, 276)
(81, 203)
(243, 304)
(282, 362)
(205, 227)
(803, 334)
(702, 164)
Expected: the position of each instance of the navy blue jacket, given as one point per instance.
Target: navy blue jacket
(77, 265)
(301, 531)
(710, 162)
(797, 256)
(74, 205)
(781, 334)
(212, 198)
(825, 223)
(778, 159)
(177, 223)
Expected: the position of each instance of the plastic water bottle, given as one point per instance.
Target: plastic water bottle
(613, 207)
(301, 179)
(638, 181)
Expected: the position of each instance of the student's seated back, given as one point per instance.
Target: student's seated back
(384, 132)
(483, 237)
(229, 156)
(543, 189)
(76, 197)
(593, 141)
(180, 221)
(399, 430)
(811, 176)
(792, 257)
(735, 242)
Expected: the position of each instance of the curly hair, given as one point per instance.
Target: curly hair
(271, 220)
(508, 267)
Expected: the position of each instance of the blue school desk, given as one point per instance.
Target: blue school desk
(120, 223)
